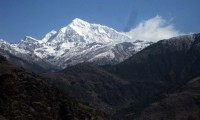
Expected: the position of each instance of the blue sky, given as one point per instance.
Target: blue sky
(19, 18)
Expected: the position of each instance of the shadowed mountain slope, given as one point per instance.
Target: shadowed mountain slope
(90, 83)
(159, 68)
(181, 104)
(27, 96)
(126, 89)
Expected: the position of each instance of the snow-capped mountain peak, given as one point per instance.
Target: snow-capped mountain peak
(79, 26)
(79, 22)
(78, 42)
(29, 38)
(48, 37)
(2, 41)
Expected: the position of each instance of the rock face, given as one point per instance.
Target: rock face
(27, 96)
(76, 43)
(126, 89)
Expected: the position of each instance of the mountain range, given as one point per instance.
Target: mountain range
(124, 90)
(78, 42)
(90, 71)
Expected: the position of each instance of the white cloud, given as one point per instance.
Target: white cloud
(154, 29)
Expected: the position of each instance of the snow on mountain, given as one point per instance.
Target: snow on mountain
(78, 42)
(48, 37)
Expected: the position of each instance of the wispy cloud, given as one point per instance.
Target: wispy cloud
(154, 29)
